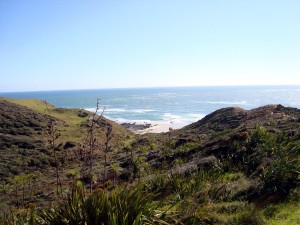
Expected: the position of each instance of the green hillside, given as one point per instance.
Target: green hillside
(26, 151)
(234, 166)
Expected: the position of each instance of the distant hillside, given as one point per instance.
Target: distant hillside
(259, 149)
(230, 118)
(216, 131)
(24, 126)
(72, 121)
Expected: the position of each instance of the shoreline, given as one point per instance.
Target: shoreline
(147, 127)
(155, 129)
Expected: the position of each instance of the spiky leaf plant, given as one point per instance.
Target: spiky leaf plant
(68, 212)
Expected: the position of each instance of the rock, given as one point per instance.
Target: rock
(82, 114)
(135, 127)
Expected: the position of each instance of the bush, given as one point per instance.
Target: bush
(283, 172)
(248, 217)
(25, 217)
(121, 206)
(274, 158)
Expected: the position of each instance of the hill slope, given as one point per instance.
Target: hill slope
(217, 132)
(249, 156)
(234, 166)
(230, 118)
(25, 147)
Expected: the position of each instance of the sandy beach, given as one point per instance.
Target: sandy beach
(152, 128)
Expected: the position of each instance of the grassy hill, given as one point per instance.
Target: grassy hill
(232, 167)
(25, 148)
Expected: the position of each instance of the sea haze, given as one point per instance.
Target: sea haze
(173, 107)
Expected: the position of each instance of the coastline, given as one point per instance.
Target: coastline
(154, 129)
(146, 127)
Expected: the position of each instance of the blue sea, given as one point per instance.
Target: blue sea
(174, 107)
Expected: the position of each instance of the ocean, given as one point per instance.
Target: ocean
(173, 106)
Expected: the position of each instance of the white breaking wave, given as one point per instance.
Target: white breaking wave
(163, 125)
(90, 109)
(121, 110)
(182, 119)
(138, 122)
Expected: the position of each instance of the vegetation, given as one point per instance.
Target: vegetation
(232, 167)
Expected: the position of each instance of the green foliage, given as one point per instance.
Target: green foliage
(248, 216)
(4, 187)
(123, 205)
(186, 147)
(234, 213)
(127, 206)
(205, 176)
(274, 158)
(181, 186)
(284, 213)
(68, 212)
(73, 174)
(284, 169)
(260, 145)
(22, 217)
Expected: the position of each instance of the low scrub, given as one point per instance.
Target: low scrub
(124, 205)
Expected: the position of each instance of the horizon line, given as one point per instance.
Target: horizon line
(157, 87)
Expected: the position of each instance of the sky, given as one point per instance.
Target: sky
(75, 44)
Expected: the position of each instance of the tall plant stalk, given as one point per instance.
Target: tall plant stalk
(107, 147)
(53, 136)
(91, 144)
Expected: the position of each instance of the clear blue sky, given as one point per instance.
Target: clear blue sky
(76, 44)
